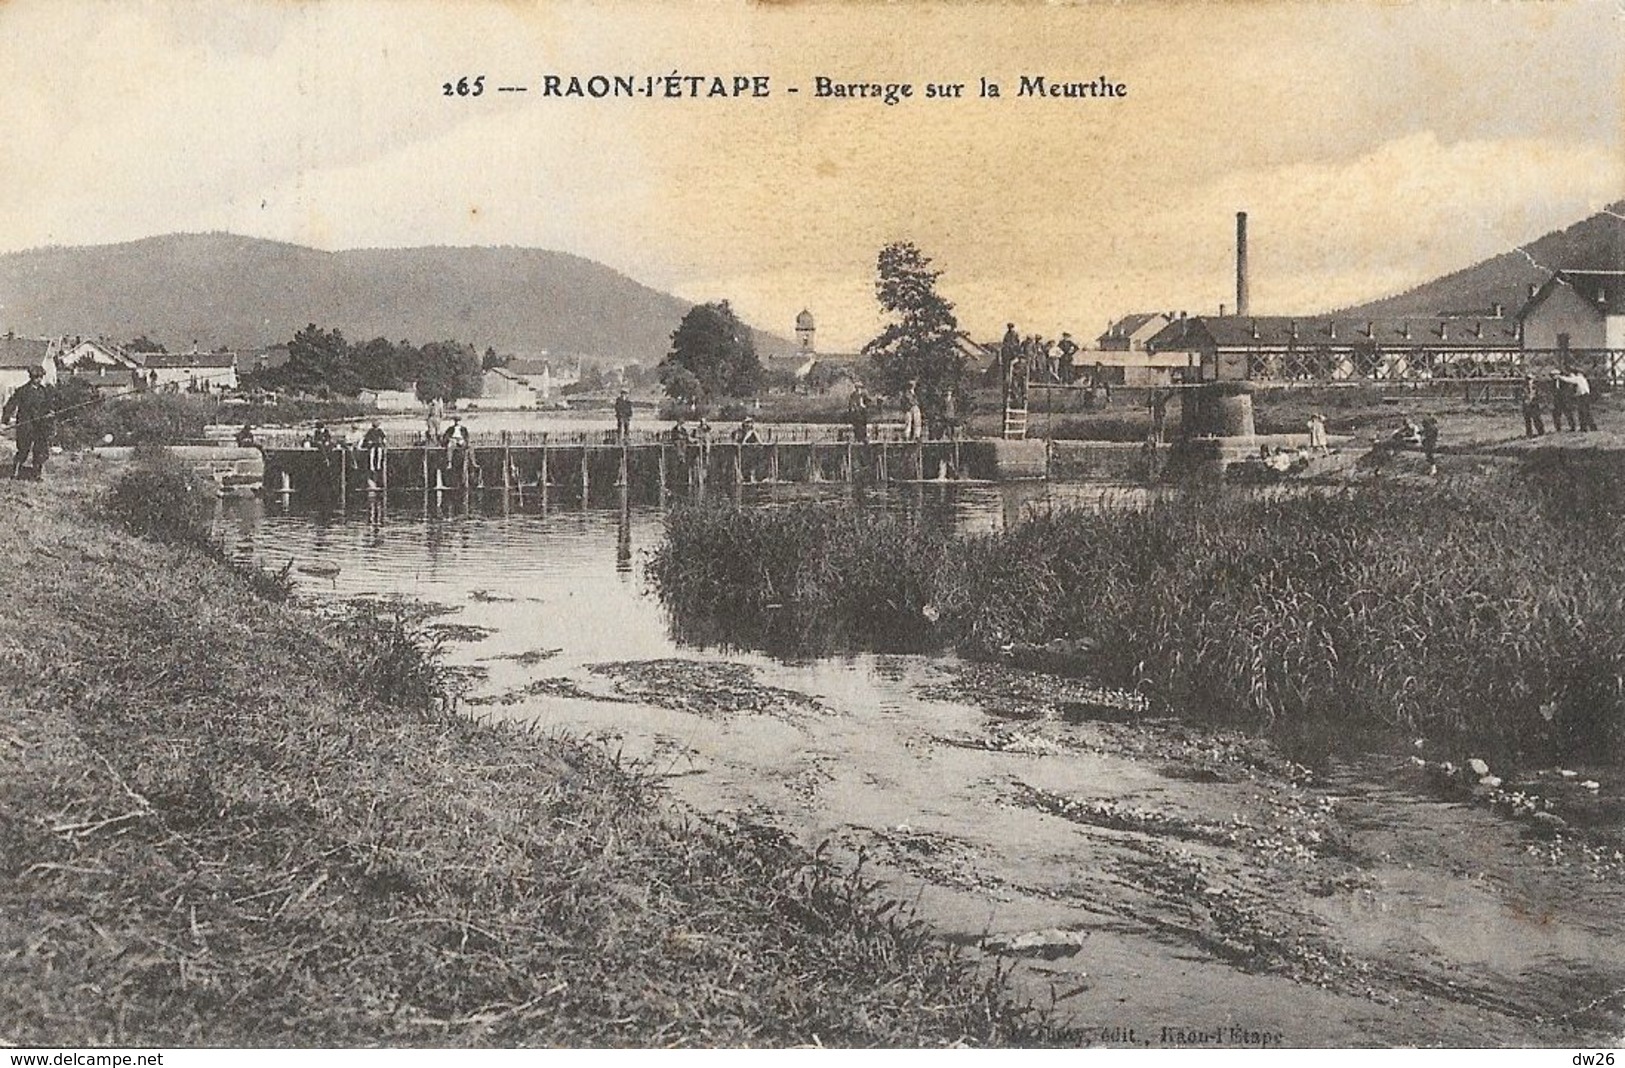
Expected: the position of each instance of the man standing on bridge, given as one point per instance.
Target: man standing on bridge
(623, 417)
(29, 411)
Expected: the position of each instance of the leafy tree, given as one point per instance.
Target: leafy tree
(318, 362)
(382, 364)
(144, 344)
(491, 359)
(448, 370)
(922, 340)
(712, 355)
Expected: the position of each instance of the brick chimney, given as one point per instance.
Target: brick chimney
(1242, 304)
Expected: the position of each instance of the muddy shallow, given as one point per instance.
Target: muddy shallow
(1155, 883)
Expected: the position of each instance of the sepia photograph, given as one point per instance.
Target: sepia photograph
(811, 524)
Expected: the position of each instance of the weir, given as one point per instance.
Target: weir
(645, 468)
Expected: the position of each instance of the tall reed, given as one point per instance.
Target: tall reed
(1465, 611)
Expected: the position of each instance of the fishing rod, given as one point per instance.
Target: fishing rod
(125, 391)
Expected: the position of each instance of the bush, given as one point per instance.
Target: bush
(148, 419)
(162, 498)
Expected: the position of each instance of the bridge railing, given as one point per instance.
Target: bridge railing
(768, 433)
(1605, 367)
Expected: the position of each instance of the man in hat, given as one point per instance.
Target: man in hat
(623, 416)
(1069, 353)
(29, 410)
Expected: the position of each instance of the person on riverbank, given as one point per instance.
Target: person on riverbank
(857, 414)
(912, 428)
(1429, 433)
(30, 414)
(376, 445)
(1562, 405)
(434, 412)
(1529, 401)
(1010, 347)
(1098, 381)
(623, 417)
(1580, 399)
(1317, 434)
(1157, 402)
(1069, 354)
(1050, 359)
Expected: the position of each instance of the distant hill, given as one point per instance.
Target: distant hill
(242, 292)
(1596, 243)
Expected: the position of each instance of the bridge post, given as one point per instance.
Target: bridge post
(507, 463)
(344, 475)
(623, 477)
(739, 463)
(586, 479)
(542, 475)
(883, 475)
(425, 458)
(662, 448)
(773, 462)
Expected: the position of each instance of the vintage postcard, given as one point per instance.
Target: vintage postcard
(821, 523)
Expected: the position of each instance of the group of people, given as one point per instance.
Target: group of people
(861, 408)
(1411, 434)
(1042, 357)
(700, 433)
(373, 444)
(1569, 395)
(1035, 358)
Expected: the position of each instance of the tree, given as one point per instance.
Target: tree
(144, 344)
(712, 355)
(318, 361)
(449, 370)
(381, 364)
(922, 340)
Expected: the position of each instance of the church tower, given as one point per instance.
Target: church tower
(804, 330)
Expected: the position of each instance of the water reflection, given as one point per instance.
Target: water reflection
(577, 570)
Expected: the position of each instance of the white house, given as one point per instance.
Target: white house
(192, 372)
(17, 355)
(392, 400)
(1576, 310)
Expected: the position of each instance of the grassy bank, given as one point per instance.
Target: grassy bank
(226, 820)
(1489, 612)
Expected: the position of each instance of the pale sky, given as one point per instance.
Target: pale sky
(1374, 145)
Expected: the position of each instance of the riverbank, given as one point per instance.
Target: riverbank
(228, 821)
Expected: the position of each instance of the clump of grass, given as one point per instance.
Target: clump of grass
(231, 822)
(818, 566)
(1457, 612)
(161, 497)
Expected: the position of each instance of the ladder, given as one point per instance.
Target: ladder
(1015, 423)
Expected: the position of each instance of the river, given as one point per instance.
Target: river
(1159, 884)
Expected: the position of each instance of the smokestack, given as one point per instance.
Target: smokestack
(1241, 263)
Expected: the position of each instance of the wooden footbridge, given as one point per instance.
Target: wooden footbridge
(582, 467)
